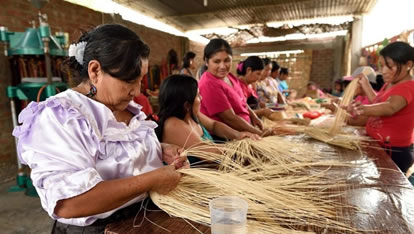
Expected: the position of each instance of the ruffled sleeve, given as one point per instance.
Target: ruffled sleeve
(60, 146)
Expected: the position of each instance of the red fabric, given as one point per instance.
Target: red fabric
(247, 90)
(395, 130)
(144, 102)
(217, 96)
(364, 100)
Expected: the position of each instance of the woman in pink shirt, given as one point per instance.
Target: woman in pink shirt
(222, 95)
(390, 119)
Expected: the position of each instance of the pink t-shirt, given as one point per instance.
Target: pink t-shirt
(247, 90)
(218, 96)
(395, 130)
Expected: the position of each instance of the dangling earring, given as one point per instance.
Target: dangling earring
(92, 92)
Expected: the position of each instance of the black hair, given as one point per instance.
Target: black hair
(118, 50)
(345, 83)
(399, 52)
(216, 45)
(284, 70)
(310, 83)
(201, 71)
(380, 82)
(176, 92)
(340, 82)
(254, 62)
(172, 57)
(275, 66)
(186, 59)
(266, 61)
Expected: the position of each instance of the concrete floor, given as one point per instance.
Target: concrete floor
(21, 214)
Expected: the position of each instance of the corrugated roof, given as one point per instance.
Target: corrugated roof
(192, 14)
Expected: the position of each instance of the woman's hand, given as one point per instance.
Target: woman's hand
(267, 132)
(250, 135)
(267, 112)
(167, 178)
(354, 109)
(171, 154)
(284, 131)
(363, 81)
(256, 122)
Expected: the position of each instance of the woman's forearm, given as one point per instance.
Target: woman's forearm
(106, 196)
(240, 124)
(358, 121)
(379, 109)
(224, 131)
(370, 93)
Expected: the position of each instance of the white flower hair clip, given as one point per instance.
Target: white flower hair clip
(77, 50)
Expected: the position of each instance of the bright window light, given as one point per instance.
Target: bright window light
(335, 20)
(387, 19)
(111, 7)
(273, 53)
(297, 36)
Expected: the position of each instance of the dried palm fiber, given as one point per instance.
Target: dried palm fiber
(275, 205)
(276, 125)
(345, 140)
(269, 150)
(349, 93)
(348, 140)
(290, 154)
(341, 114)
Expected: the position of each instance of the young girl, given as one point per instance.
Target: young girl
(181, 121)
(389, 120)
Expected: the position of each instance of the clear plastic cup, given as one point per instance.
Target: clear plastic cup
(228, 215)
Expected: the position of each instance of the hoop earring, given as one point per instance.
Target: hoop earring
(92, 92)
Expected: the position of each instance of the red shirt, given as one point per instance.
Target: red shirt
(144, 102)
(395, 130)
(217, 96)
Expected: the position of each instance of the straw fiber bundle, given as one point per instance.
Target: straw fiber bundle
(347, 140)
(341, 114)
(349, 93)
(276, 205)
(273, 150)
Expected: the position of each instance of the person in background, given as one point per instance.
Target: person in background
(261, 87)
(250, 71)
(181, 122)
(223, 98)
(283, 76)
(200, 72)
(283, 85)
(389, 120)
(92, 155)
(365, 94)
(313, 91)
(338, 89)
(143, 101)
(188, 64)
(273, 82)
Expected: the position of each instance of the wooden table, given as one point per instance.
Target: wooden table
(381, 192)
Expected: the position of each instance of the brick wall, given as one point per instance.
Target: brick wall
(8, 166)
(299, 67)
(322, 71)
(198, 49)
(16, 15)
